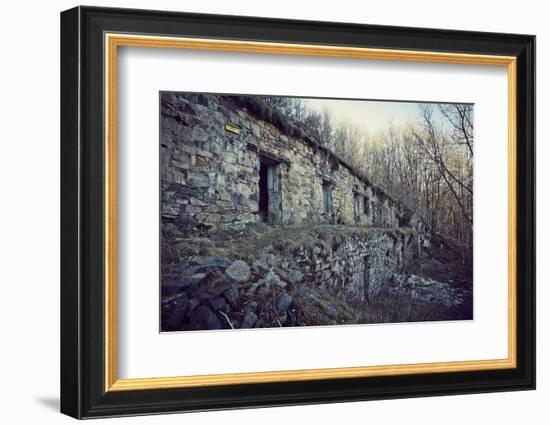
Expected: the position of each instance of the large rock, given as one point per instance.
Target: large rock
(196, 278)
(232, 296)
(329, 309)
(238, 271)
(205, 318)
(169, 254)
(270, 279)
(292, 276)
(178, 284)
(283, 303)
(171, 287)
(212, 261)
(211, 287)
(218, 304)
(259, 267)
(428, 290)
(177, 315)
(249, 320)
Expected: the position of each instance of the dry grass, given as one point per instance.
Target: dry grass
(278, 239)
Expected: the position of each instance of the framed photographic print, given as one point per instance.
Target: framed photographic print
(261, 212)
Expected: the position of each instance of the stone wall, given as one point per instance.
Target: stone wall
(264, 227)
(214, 150)
(323, 274)
(356, 267)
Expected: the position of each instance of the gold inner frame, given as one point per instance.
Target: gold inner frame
(113, 41)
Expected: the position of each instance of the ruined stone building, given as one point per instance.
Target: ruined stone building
(335, 248)
(227, 161)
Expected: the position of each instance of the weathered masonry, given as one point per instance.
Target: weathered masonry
(336, 249)
(228, 161)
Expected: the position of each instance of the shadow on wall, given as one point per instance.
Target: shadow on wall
(51, 403)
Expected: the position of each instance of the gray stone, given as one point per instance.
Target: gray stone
(255, 129)
(176, 284)
(175, 319)
(218, 304)
(168, 291)
(169, 255)
(259, 267)
(292, 276)
(232, 296)
(214, 261)
(428, 290)
(205, 318)
(329, 309)
(182, 307)
(249, 320)
(284, 301)
(199, 134)
(199, 181)
(238, 271)
(271, 278)
(187, 248)
(215, 285)
(251, 306)
(193, 303)
(196, 278)
(269, 259)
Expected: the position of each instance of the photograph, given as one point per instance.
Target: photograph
(280, 211)
(284, 210)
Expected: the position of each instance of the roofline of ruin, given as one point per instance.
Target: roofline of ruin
(267, 113)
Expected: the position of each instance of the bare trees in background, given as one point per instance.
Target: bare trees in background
(451, 153)
(344, 139)
(427, 165)
(320, 124)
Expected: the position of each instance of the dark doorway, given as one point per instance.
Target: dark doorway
(264, 193)
(357, 204)
(327, 198)
(270, 199)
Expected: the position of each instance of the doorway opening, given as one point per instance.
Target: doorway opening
(264, 194)
(269, 200)
(357, 208)
(327, 199)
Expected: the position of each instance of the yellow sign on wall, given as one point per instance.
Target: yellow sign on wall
(232, 128)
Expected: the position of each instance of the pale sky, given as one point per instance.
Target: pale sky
(373, 116)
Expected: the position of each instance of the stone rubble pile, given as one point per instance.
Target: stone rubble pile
(325, 278)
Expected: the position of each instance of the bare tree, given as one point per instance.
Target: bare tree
(427, 165)
(326, 128)
(460, 117)
(443, 152)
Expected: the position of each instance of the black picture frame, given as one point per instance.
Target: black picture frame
(83, 392)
